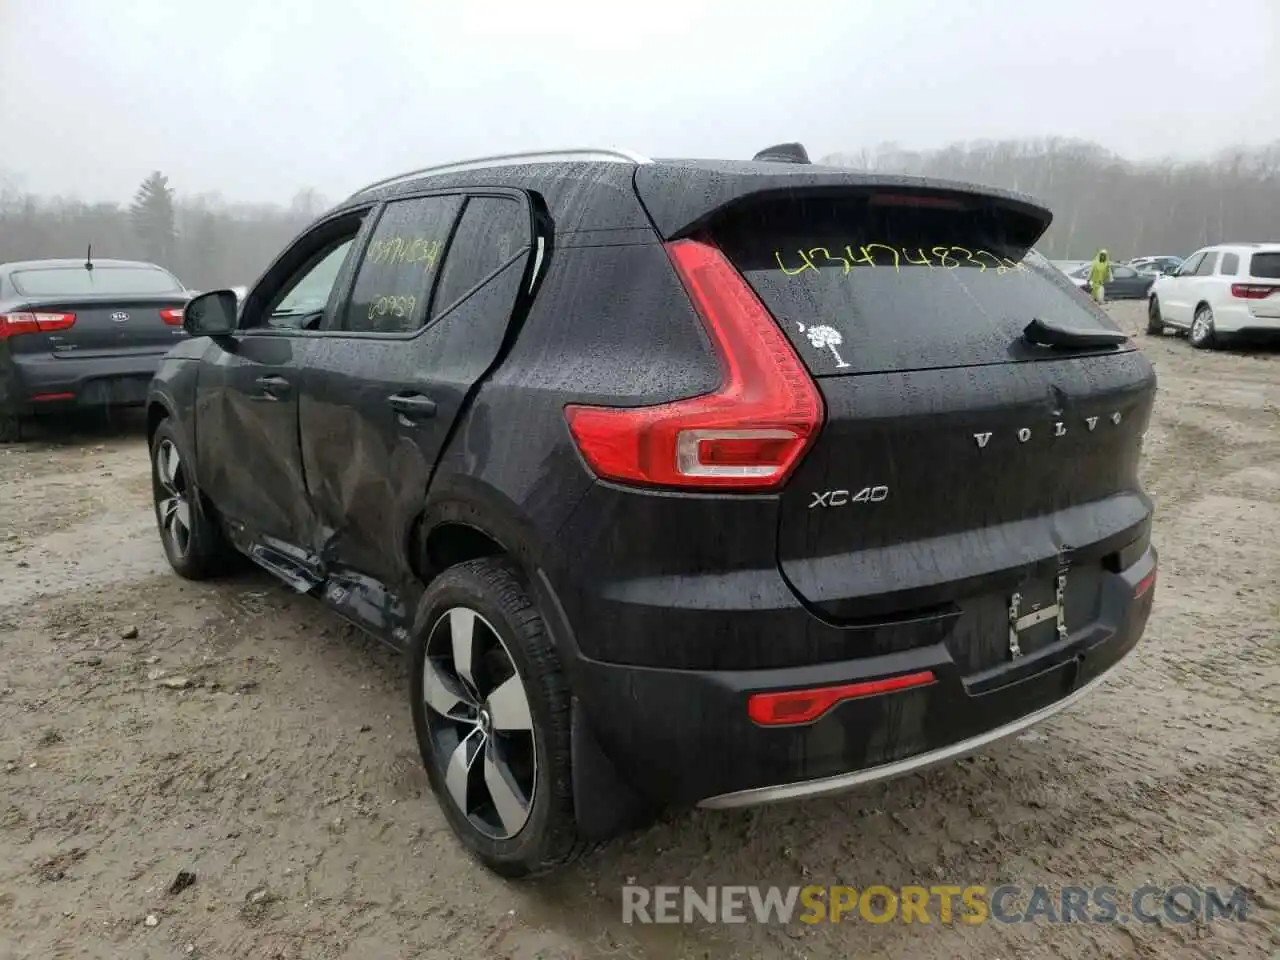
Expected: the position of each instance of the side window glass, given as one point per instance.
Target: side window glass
(307, 294)
(493, 232)
(393, 282)
(1124, 273)
(296, 291)
(1189, 267)
(1230, 265)
(1207, 264)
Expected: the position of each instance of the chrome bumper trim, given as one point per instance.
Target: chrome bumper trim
(846, 781)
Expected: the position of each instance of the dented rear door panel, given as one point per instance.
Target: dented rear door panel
(377, 411)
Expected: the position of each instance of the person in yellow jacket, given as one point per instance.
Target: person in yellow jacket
(1099, 274)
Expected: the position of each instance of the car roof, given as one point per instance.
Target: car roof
(571, 181)
(1267, 245)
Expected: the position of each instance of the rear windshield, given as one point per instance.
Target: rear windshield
(864, 286)
(1265, 265)
(76, 281)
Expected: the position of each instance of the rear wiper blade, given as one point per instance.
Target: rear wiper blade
(1047, 333)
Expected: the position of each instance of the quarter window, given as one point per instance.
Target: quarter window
(400, 266)
(493, 232)
(1230, 265)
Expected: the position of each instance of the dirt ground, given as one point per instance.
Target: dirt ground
(285, 778)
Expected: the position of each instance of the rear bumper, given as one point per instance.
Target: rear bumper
(1239, 320)
(684, 737)
(913, 764)
(42, 383)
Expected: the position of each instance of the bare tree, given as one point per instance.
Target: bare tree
(1101, 200)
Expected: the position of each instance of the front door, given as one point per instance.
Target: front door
(1175, 293)
(247, 424)
(1200, 286)
(427, 318)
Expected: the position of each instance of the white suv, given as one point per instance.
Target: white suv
(1223, 290)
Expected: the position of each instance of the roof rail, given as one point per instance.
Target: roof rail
(580, 154)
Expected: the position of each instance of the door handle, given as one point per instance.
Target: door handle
(413, 406)
(273, 388)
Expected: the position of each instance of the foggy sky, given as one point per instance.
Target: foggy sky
(258, 99)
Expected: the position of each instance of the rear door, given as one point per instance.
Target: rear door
(116, 310)
(1262, 290)
(957, 459)
(427, 317)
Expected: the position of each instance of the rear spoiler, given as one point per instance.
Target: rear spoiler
(683, 196)
(784, 153)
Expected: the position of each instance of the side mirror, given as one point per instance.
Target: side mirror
(211, 314)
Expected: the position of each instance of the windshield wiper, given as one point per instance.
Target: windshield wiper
(1047, 333)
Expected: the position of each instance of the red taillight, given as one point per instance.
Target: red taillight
(15, 324)
(747, 435)
(804, 706)
(172, 316)
(1252, 291)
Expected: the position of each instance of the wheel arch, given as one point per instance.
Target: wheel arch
(157, 411)
(467, 519)
(161, 407)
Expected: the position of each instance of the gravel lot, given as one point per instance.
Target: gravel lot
(246, 736)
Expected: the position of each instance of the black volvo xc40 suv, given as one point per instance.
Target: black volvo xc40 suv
(680, 482)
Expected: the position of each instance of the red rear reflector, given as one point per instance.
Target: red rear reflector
(1252, 291)
(747, 435)
(172, 316)
(47, 397)
(14, 324)
(804, 706)
(1144, 586)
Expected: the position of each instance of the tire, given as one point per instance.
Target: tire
(504, 720)
(10, 428)
(1155, 320)
(1202, 335)
(192, 540)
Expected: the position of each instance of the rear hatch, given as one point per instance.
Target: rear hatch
(959, 462)
(109, 311)
(1263, 288)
